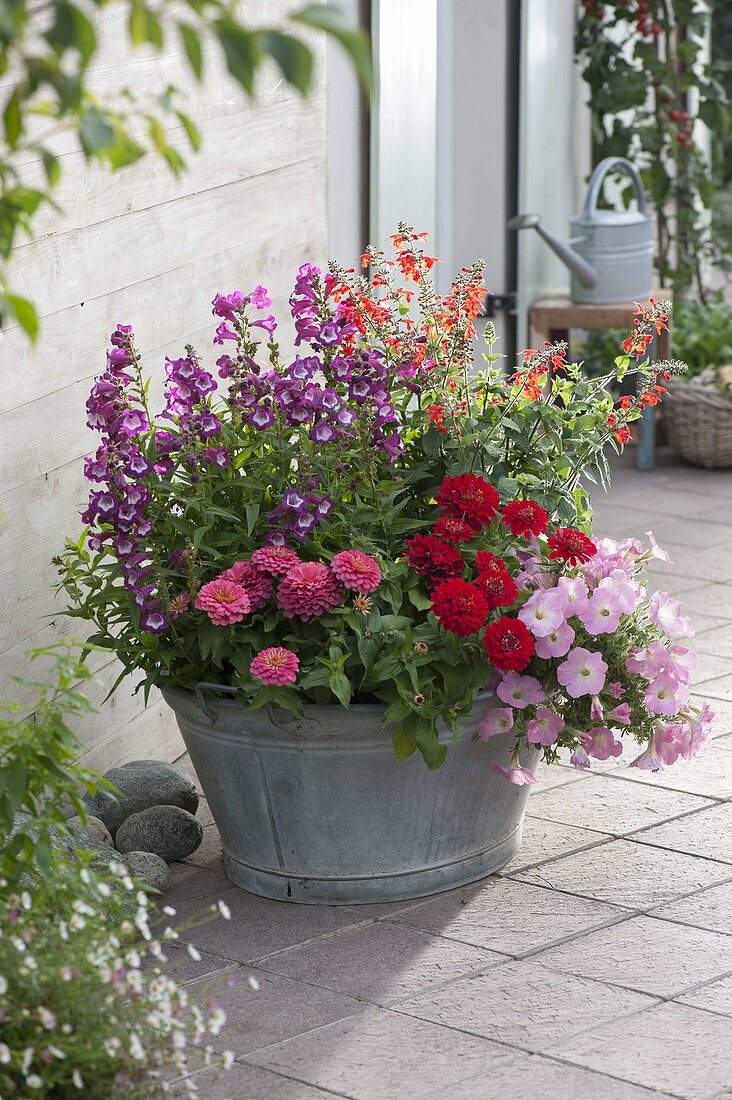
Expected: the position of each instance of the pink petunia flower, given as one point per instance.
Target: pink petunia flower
(583, 673)
(496, 720)
(597, 711)
(257, 583)
(520, 691)
(543, 612)
(627, 592)
(620, 715)
(544, 728)
(579, 758)
(649, 761)
(665, 612)
(556, 644)
(357, 571)
(574, 594)
(307, 590)
(603, 612)
(275, 559)
(276, 665)
(223, 601)
(615, 689)
(601, 743)
(655, 552)
(516, 775)
(664, 695)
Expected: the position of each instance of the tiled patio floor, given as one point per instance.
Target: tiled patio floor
(596, 966)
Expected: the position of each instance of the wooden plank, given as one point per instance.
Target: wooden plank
(73, 341)
(59, 273)
(154, 734)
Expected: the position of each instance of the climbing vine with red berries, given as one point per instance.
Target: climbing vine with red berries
(651, 81)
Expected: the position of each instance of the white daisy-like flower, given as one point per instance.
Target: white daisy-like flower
(169, 910)
(77, 1079)
(25, 900)
(4, 1054)
(253, 983)
(228, 1059)
(194, 953)
(3, 984)
(33, 1081)
(47, 1018)
(224, 910)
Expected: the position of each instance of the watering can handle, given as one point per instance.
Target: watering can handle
(597, 179)
(209, 714)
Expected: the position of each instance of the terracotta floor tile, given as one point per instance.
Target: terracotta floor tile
(525, 1004)
(382, 1055)
(644, 954)
(508, 916)
(671, 1046)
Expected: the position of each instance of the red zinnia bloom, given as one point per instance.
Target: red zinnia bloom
(468, 497)
(525, 518)
(435, 561)
(453, 530)
(571, 546)
(459, 607)
(498, 587)
(484, 561)
(509, 645)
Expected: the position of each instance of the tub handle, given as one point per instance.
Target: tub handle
(209, 715)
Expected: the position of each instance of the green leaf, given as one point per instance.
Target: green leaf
(51, 167)
(241, 50)
(354, 40)
(404, 745)
(95, 132)
(192, 132)
(192, 46)
(293, 58)
(340, 685)
(22, 311)
(12, 119)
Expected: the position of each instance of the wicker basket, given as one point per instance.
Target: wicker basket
(699, 424)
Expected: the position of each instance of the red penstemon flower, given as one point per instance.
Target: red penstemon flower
(435, 561)
(459, 607)
(468, 497)
(567, 544)
(509, 645)
(453, 530)
(525, 518)
(498, 587)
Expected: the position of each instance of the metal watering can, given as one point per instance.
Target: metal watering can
(610, 253)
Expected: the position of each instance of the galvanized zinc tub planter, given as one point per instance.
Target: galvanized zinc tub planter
(318, 810)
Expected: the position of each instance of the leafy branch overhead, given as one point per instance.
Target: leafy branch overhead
(47, 50)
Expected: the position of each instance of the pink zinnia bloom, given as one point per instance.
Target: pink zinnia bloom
(496, 720)
(275, 559)
(665, 612)
(665, 695)
(520, 691)
(356, 571)
(601, 744)
(276, 665)
(543, 612)
(574, 594)
(556, 644)
(583, 673)
(223, 601)
(257, 583)
(545, 728)
(309, 589)
(603, 612)
(519, 776)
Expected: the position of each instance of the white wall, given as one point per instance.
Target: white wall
(143, 249)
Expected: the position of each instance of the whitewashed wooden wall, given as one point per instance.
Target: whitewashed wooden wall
(144, 249)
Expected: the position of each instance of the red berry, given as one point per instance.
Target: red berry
(656, 29)
(674, 115)
(667, 99)
(642, 7)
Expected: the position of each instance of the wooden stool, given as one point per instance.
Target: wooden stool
(552, 318)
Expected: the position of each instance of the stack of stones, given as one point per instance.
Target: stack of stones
(150, 820)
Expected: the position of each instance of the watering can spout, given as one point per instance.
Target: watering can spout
(579, 267)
